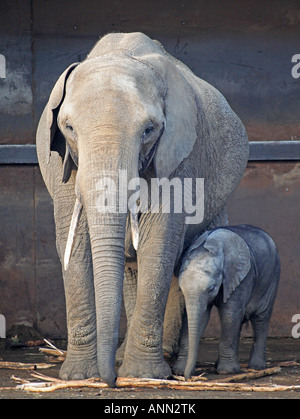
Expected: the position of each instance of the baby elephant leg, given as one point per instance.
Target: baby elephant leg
(260, 326)
(231, 318)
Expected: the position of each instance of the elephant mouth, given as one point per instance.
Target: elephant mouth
(74, 223)
(145, 163)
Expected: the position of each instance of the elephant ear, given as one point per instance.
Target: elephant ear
(55, 100)
(198, 241)
(184, 116)
(236, 258)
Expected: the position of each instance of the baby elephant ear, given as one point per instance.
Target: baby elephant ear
(237, 263)
(198, 241)
(236, 258)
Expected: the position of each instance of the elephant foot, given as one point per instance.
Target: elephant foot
(78, 366)
(257, 363)
(179, 367)
(228, 367)
(144, 369)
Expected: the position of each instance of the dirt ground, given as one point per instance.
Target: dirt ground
(278, 350)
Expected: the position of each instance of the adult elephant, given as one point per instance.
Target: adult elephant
(129, 107)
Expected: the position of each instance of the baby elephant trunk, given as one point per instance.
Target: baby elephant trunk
(198, 316)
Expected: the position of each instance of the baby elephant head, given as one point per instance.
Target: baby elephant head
(216, 258)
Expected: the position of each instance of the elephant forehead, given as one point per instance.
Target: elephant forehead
(123, 82)
(102, 80)
(194, 281)
(198, 271)
(113, 86)
(119, 73)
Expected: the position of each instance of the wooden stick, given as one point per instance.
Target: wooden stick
(45, 377)
(24, 366)
(50, 385)
(252, 374)
(26, 344)
(43, 387)
(193, 378)
(54, 352)
(236, 387)
(198, 377)
(226, 384)
(32, 343)
(21, 380)
(292, 363)
(53, 347)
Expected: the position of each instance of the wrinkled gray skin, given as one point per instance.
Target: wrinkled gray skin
(237, 269)
(130, 106)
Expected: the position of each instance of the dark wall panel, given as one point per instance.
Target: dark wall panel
(16, 94)
(17, 245)
(243, 48)
(50, 300)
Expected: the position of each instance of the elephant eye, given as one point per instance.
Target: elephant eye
(148, 131)
(211, 289)
(69, 127)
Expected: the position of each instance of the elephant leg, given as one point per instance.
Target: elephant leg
(260, 323)
(156, 260)
(129, 294)
(231, 317)
(260, 326)
(173, 320)
(173, 314)
(81, 360)
(180, 364)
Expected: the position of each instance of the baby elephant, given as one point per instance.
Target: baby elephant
(237, 269)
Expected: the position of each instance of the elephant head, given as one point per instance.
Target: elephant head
(119, 110)
(218, 258)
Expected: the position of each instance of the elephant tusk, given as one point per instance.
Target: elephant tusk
(134, 226)
(72, 233)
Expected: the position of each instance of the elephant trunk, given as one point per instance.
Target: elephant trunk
(198, 316)
(107, 226)
(108, 249)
